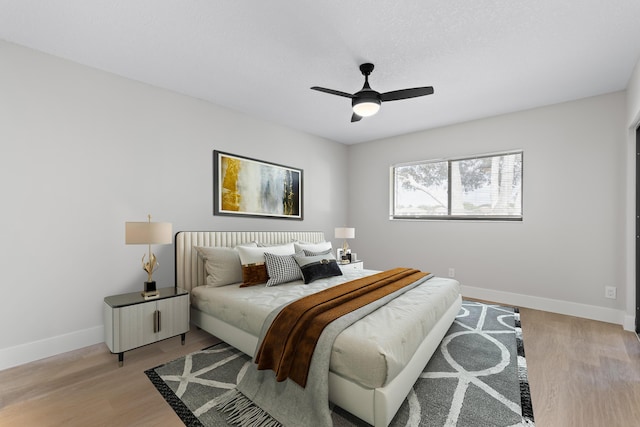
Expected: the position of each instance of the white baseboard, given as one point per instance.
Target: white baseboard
(629, 323)
(603, 314)
(29, 352)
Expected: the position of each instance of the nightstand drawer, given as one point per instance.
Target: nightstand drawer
(355, 265)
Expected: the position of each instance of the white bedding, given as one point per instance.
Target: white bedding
(399, 327)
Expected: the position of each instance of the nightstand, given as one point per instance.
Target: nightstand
(131, 321)
(353, 265)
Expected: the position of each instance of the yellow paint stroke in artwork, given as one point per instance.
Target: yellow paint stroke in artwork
(230, 195)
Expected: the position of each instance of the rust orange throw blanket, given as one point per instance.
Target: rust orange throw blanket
(289, 343)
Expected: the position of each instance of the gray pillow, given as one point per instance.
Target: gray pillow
(312, 253)
(222, 265)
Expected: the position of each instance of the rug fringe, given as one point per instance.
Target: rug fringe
(243, 412)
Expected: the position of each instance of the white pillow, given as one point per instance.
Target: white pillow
(250, 255)
(312, 247)
(266, 245)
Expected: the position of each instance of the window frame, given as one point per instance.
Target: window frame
(455, 217)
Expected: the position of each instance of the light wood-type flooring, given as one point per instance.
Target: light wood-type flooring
(581, 373)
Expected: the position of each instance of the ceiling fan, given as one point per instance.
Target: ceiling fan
(366, 102)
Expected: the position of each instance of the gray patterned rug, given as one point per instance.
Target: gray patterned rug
(476, 378)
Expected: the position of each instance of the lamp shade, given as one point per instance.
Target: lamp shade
(148, 233)
(345, 233)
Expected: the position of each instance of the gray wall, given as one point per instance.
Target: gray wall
(571, 242)
(83, 152)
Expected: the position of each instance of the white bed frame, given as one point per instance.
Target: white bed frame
(375, 406)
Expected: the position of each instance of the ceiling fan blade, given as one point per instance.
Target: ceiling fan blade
(332, 92)
(406, 93)
(355, 118)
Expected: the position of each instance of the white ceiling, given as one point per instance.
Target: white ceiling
(483, 57)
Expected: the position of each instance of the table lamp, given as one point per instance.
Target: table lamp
(148, 233)
(345, 233)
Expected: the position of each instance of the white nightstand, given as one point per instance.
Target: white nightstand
(353, 265)
(131, 321)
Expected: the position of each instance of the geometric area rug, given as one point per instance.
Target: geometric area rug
(476, 378)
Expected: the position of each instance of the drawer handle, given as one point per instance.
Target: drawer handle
(156, 321)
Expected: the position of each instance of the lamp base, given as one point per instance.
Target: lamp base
(150, 295)
(150, 286)
(150, 290)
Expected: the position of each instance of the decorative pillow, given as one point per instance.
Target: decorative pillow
(221, 264)
(317, 267)
(281, 269)
(254, 274)
(314, 247)
(311, 253)
(254, 269)
(268, 245)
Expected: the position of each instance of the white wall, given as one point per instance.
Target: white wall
(83, 152)
(571, 243)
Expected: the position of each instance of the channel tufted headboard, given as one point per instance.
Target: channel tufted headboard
(190, 270)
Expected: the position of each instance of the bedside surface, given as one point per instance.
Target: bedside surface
(131, 298)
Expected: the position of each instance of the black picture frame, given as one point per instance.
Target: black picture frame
(247, 187)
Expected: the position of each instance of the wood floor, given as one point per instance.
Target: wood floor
(581, 373)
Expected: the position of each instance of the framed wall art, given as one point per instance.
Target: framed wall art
(243, 186)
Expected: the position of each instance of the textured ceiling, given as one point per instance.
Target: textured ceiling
(483, 57)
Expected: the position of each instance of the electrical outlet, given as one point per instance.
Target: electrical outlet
(452, 272)
(610, 292)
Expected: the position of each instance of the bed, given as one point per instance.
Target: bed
(371, 388)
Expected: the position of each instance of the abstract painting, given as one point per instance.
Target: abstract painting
(253, 188)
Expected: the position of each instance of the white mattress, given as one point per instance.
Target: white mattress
(370, 352)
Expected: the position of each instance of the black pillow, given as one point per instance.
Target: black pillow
(317, 267)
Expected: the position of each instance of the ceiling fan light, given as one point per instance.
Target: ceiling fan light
(366, 107)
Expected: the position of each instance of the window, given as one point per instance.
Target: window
(487, 187)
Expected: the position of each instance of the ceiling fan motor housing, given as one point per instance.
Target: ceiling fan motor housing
(366, 102)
